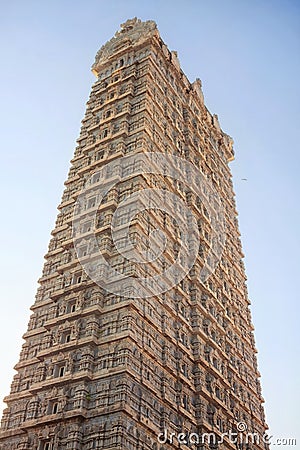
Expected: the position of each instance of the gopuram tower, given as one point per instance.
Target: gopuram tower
(140, 336)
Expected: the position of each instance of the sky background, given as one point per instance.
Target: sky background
(247, 55)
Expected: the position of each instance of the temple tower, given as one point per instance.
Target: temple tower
(155, 337)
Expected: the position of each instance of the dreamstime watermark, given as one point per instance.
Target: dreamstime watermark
(239, 437)
(178, 175)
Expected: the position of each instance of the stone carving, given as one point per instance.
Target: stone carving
(132, 31)
(197, 87)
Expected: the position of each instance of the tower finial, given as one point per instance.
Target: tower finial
(129, 24)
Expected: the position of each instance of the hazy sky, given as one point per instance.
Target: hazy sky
(247, 55)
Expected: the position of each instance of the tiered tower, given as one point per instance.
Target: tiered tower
(112, 364)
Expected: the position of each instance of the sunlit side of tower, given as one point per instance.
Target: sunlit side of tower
(104, 371)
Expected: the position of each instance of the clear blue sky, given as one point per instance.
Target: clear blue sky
(247, 56)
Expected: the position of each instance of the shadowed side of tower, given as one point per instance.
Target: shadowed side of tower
(110, 361)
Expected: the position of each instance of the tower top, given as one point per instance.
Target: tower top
(132, 32)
